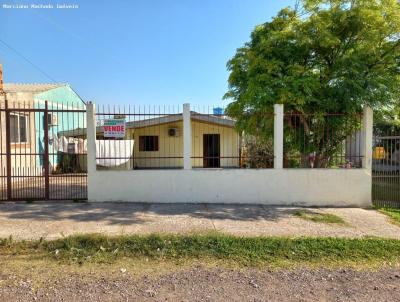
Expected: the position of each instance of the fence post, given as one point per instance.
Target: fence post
(8, 151)
(278, 136)
(91, 145)
(46, 158)
(187, 138)
(367, 129)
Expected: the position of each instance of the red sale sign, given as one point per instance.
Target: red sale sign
(114, 128)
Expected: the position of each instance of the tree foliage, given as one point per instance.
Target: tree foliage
(323, 56)
(387, 120)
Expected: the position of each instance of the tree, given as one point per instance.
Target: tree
(323, 56)
(387, 121)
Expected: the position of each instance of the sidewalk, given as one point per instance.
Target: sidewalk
(54, 220)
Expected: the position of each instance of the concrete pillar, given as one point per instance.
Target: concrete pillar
(278, 136)
(367, 132)
(187, 137)
(91, 140)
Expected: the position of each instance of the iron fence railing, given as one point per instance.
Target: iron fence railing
(218, 141)
(152, 140)
(386, 169)
(43, 145)
(322, 140)
(37, 161)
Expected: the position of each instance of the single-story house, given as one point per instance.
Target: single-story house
(215, 142)
(158, 142)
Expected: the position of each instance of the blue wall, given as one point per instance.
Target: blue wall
(58, 98)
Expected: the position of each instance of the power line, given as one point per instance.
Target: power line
(29, 61)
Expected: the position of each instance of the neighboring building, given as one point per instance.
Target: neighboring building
(61, 97)
(27, 128)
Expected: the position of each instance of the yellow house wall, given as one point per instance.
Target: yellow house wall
(229, 143)
(167, 147)
(173, 146)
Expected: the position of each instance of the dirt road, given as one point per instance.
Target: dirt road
(210, 284)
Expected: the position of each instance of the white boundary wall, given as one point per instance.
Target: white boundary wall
(306, 187)
(313, 187)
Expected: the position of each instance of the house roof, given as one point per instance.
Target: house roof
(208, 118)
(32, 88)
(35, 88)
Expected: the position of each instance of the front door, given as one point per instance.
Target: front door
(211, 151)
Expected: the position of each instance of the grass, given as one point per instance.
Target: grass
(272, 251)
(394, 214)
(320, 217)
(78, 200)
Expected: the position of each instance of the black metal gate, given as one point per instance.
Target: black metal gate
(41, 158)
(386, 169)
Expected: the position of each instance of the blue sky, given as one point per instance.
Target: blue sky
(132, 52)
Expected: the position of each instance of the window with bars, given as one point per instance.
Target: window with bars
(19, 128)
(148, 143)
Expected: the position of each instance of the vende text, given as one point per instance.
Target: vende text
(114, 128)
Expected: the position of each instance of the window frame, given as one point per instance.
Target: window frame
(18, 128)
(144, 143)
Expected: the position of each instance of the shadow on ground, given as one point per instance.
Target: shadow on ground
(130, 213)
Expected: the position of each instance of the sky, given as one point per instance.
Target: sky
(142, 52)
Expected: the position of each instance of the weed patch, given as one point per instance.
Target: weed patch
(320, 217)
(394, 214)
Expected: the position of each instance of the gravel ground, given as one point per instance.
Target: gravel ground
(212, 284)
(54, 220)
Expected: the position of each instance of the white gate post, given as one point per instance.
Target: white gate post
(187, 137)
(367, 129)
(278, 136)
(91, 146)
